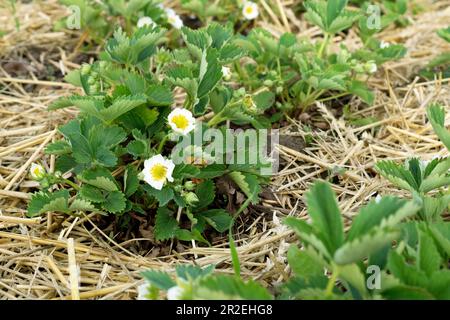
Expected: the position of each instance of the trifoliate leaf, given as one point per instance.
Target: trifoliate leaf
(397, 174)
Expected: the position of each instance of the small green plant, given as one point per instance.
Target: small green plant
(344, 256)
(424, 179)
(99, 18)
(440, 65)
(193, 283)
(380, 257)
(301, 72)
(394, 248)
(127, 124)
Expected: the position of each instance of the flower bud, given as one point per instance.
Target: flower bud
(85, 69)
(370, 67)
(190, 198)
(189, 185)
(37, 171)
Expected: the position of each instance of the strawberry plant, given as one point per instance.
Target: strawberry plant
(301, 72)
(424, 179)
(98, 18)
(332, 264)
(440, 65)
(406, 243)
(117, 156)
(193, 283)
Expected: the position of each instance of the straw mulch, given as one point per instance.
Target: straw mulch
(59, 257)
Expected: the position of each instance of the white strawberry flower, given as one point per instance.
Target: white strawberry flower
(250, 10)
(37, 171)
(226, 72)
(378, 198)
(384, 44)
(145, 21)
(175, 293)
(181, 121)
(158, 170)
(371, 67)
(143, 291)
(174, 19)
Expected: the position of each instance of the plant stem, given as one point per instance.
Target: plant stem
(334, 97)
(70, 183)
(331, 281)
(162, 143)
(234, 253)
(216, 119)
(324, 45)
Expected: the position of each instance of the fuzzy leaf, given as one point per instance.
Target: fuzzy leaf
(428, 258)
(206, 193)
(42, 202)
(82, 205)
(100, 178)
(131, 181)
(365, 245)
(159, 279)
(304, 263)
(163, 196)
(58, 148)
(388, 212)
(248, 183)
(115, 202)
(223, 287)
(407, 274)
(325, 214)
(219, 219)
(92, 193)
(166, 225)
(436, 115)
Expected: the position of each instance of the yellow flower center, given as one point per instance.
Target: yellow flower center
(180, 121)
(249, 10)
(36, 171)
(158, 172)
